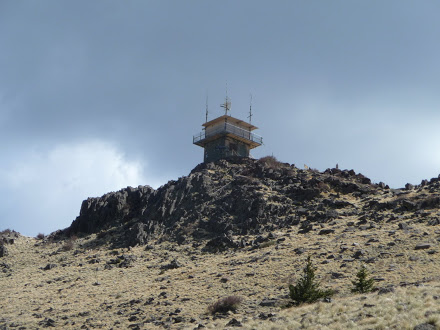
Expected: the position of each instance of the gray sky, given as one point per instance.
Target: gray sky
(99, 95)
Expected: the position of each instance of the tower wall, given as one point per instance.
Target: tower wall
(225, 147)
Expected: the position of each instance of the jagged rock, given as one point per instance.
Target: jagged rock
(138, 234)
(409, 186)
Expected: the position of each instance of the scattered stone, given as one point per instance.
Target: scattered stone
(172, 265)
(403, 226)
(359, 254)
(434, 222)
(326, 231)
(122, 261)
(422, 246)
(265, 316)
(234, 323)
(305, 227)
(369, 305)
(49, 266)
(47, 322)
(386, 290)
(220, 243)
(268, 302)
(337, 275)
(424, 326)
(178, 319)
(149, 301)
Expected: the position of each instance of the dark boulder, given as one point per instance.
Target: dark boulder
(425, 326)
(3, 251)
(219, 244)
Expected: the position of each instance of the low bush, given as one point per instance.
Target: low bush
(225, 304)
(270, 161)
(69, 244)
(40, 236)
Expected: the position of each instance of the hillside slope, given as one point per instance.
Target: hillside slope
(143, 258)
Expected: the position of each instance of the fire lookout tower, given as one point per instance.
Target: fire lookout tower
(227, 136)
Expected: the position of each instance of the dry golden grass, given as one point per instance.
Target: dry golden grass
(78, 292)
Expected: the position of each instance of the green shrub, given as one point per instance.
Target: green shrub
(363, 284)
(306, 290)
(225, 304)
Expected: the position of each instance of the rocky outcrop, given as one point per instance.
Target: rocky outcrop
(8, 236)
(229, 197)
(241, 196)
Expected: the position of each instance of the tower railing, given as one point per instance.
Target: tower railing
(228, 128)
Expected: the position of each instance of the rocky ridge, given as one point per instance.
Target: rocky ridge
(219, 204)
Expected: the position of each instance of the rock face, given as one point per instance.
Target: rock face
(240, 196)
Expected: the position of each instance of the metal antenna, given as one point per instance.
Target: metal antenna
(227, 104)
(250, 111)
(206, 108)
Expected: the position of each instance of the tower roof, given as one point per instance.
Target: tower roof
(230, 120)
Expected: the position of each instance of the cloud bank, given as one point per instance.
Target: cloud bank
(44, 189)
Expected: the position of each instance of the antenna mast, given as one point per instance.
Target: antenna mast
(206, 108)
(227, 104)
(250, 111)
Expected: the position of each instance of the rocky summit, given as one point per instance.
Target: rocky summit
(219, 248)
(220, 203)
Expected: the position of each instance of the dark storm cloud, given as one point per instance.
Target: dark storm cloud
(348, 82)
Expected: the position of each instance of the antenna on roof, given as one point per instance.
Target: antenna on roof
(227, 104)
(206, 107)
(250, 111)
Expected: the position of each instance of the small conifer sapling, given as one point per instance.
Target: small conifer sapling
(363, 284)
(306, 290)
